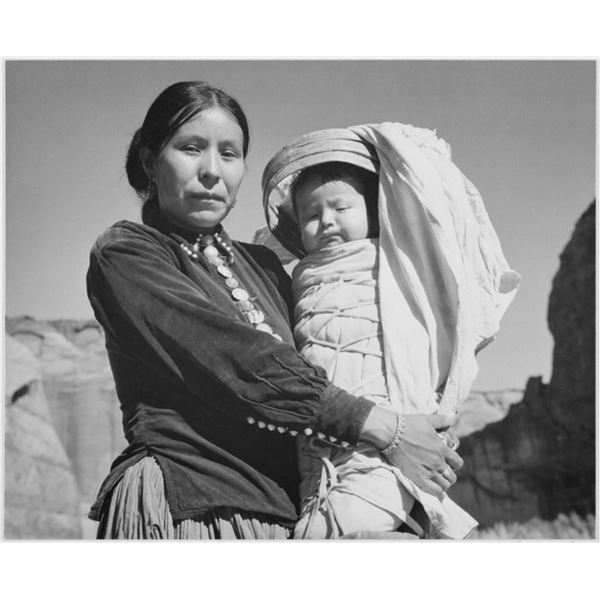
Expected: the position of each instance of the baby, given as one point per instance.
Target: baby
(338, 327)
(335, 202)
(402, 280)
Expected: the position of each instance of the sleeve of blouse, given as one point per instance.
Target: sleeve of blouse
(159, 315)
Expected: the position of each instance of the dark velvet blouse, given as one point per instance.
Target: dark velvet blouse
(211, 398)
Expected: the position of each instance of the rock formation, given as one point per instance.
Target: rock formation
(572, 314)
(482, 408)
(80, 392)
(41, 498)
(497, 482)
(572, 388)
(539, 461)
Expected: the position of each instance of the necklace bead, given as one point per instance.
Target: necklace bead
(256, 316)
(189, 252)
(213, 249)
(240, 294)
(224, 271)
(210, 252)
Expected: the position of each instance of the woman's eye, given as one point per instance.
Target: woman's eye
(229, 154)
(191, 148)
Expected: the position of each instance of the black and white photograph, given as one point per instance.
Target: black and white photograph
(427, 372)
(323, 300)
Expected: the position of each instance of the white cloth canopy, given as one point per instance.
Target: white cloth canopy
(443, 280)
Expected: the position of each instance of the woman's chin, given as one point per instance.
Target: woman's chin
(202, 222)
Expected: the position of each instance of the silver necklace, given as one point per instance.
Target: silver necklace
(220, 254)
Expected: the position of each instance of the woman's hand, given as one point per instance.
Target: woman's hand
(423, 454)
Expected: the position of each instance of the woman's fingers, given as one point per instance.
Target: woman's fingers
(424, 453)
(449, 476)
(453, 459)
(437, 482)
(435, 487)
(449, 439)
(441, 481)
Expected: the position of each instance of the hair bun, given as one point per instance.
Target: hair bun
(136, 174)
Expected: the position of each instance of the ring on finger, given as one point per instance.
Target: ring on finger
(447, 473)
(448, 441)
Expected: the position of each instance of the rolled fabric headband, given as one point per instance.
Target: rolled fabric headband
(326, 145)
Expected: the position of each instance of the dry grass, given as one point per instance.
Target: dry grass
(564, 527)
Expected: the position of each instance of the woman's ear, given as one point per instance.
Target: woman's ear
(147, 160)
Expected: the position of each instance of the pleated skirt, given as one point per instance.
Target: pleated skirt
(138, 509)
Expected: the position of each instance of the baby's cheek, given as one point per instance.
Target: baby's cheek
(308, 240)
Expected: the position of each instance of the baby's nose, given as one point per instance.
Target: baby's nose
(327, 218)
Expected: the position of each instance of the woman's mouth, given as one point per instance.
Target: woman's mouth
(208, 198)
(202, 196)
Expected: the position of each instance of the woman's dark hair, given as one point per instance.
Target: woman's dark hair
(175, 106)
(334, 171)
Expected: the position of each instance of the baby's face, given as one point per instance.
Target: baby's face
(331, 213)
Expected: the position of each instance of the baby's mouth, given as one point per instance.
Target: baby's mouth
(329, 240)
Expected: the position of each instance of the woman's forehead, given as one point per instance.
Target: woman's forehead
(212, 120)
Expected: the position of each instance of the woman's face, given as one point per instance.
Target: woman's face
(198, 172)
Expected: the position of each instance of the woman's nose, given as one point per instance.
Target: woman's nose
(208, 169)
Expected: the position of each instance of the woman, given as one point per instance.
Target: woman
(198, 334)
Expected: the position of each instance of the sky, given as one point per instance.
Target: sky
(523, 131)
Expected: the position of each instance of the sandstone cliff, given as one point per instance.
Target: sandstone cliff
(80, 392)
(539, 461)
(41, 497)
